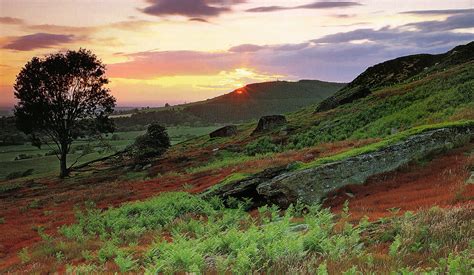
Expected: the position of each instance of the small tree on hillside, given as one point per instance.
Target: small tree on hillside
(153, 143)
(62, 97)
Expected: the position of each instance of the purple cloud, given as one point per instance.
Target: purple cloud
(11, 21)
(439, 12)
(38, 41)
(245, 48)
(189, 8)
(315, 5)
(197, 19)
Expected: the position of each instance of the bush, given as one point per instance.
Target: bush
(152, 144)
(261, 146)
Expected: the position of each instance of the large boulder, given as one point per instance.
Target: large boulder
(268, 123)
(226, 131)
(284, 186)
(313, 184)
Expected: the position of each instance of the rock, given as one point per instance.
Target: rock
(267, 123)
(226, 131)
(286, 185)
(246, 188)
(313, 184)
(470, 180)
(299, 228)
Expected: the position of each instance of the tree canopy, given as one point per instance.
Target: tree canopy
(62, 97)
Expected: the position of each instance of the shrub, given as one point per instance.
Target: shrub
(152, 144)
(261, 146)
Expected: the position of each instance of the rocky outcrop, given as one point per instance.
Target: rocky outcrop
(284, 186)
(396, 71)
(247, 188)
(226, 131)
(268, 123)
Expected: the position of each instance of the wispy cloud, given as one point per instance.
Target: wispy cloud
(190, 8)
(439, 12)
(336, 57)
(38, 41)
(11, 20)
(315, 5)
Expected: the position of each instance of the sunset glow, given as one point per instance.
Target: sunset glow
(156, 54)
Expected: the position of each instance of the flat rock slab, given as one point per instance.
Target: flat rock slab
(226, 131)
(313, 184)
(268, 123)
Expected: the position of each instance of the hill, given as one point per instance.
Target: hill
(392, 154)
(243, 104)
(397, 71)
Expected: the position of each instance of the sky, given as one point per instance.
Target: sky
(176, 51)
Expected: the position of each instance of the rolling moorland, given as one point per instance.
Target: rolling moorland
(241, 105)
(19, 158)
(377, 178)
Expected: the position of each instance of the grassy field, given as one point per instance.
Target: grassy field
(207, 237)
(45, 164)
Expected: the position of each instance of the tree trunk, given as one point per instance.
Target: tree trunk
(64, 172)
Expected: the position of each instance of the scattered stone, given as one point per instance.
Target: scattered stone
(267, 123)
(350, 195)
(470, 180)
(299, 228)
(226, 131)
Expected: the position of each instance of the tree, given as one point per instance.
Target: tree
(62, 97)
(153, 143)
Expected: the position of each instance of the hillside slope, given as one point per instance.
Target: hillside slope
(243, 104)
(159, 230)
(399, 70)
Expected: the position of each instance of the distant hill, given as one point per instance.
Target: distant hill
(395, 71)
(249, 102)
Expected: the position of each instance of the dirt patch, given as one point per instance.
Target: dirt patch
(439, 182)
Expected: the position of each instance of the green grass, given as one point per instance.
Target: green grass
(435, 99)
(384, 143)
(49, 165)
(208, 237)
(230, 179)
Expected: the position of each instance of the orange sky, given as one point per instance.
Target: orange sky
(174, 51)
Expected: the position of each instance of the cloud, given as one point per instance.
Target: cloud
(11, 21)
(245, 48)
(425, 34)
(38, 41)
(336, 57)
(147, 65)
(190, 8)
(439, 12)
(461, 21)
(315, 5)
(197, 19)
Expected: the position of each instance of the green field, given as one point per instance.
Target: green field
(49, 164)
